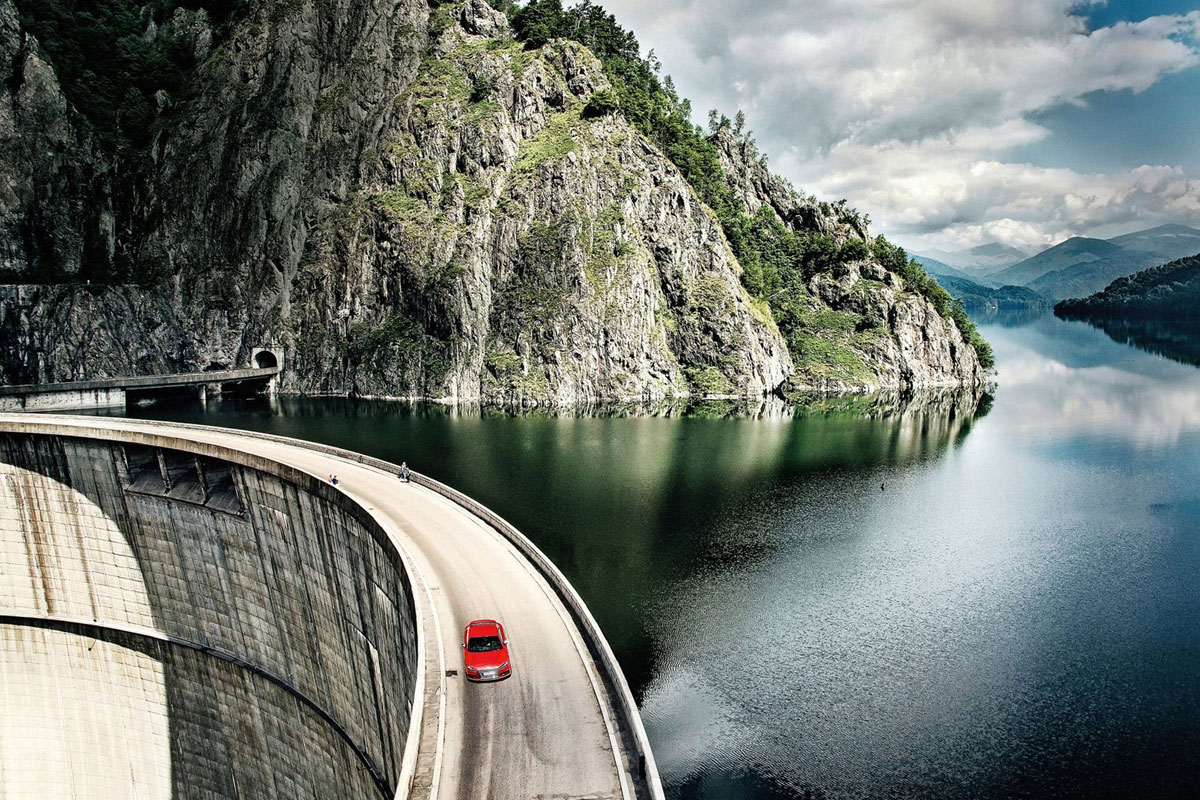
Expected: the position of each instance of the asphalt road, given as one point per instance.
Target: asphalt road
(544, 732)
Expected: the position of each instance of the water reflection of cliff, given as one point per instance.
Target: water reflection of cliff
(949, 402)
(953, 403)
(1178, 341)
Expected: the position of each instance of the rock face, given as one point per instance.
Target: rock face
(48, 167)
(864, 329)
(410, 204)
(908, 344)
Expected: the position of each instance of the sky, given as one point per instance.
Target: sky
(954, 123)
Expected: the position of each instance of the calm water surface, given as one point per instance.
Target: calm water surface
(923, 602)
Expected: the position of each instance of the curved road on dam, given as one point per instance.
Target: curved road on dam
(550, 731)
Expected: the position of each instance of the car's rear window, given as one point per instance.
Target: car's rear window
(484, 644)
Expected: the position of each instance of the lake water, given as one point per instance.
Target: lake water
(868, 599)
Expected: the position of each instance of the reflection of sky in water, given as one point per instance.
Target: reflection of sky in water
(1081, 384)
(1017, 618)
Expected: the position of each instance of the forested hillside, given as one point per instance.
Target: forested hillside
(776, 258)
(1170, 292)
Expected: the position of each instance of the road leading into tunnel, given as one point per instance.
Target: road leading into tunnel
(549, 731)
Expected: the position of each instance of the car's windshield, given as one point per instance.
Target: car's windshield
(484, 644)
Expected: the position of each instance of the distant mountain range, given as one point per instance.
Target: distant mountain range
(1169, 293)
(1073, 252)
(978, 260)
(1076, 267)
(939, 269)
(983, 302)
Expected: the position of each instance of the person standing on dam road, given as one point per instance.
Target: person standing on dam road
(403, 473)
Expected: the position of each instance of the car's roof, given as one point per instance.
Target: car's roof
(483, 627)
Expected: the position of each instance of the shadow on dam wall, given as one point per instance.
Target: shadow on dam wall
(174, 625)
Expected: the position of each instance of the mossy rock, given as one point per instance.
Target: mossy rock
(550, 145)
(708, 381)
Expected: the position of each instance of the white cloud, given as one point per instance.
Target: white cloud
(908, 108)
(941, 192)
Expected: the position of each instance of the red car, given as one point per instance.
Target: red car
(485, 649)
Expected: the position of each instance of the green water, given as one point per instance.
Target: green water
(868, 598)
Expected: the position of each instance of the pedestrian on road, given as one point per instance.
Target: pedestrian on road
(404, 471)
(333, 479)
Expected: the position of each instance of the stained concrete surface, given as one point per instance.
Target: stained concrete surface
(549, 731)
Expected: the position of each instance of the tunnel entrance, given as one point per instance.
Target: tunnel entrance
(265, 359)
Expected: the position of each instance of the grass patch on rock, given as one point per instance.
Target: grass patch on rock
(395, 352)
(550, 145)
(507, 376)
(708, 381)
(829, 345)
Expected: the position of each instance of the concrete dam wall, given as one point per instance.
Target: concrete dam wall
(209, 624)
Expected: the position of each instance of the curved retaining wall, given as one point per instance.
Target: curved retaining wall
(636, 742)
(207, 622)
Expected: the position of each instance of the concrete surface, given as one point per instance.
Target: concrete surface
(278, 615)
(551, 731)
(111, 392)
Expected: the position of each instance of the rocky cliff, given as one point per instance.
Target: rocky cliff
(410, 203)
(860, 325)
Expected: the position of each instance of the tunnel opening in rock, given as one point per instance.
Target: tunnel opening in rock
(265, 359)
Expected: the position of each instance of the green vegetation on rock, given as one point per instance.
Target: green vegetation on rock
(607, 248)
(602, 102)
(506, 375)
(551, 144)
(895, 259)
(398, 344)
(654, 108)
(708, 381)
(398, 205)
(524, 298)
(774, 258)
(829, 345)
